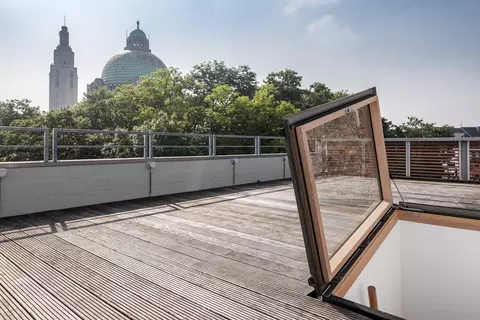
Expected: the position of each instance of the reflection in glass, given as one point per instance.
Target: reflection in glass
(346, 174)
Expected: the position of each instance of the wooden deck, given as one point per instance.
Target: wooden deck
(231, 253)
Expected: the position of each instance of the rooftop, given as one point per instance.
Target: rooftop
(228, 253)
(473, 132)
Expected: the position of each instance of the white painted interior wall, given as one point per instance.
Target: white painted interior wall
(384, 272)
(440, 272)
(423, 271)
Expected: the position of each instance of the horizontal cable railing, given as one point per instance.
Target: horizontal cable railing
(70, 144)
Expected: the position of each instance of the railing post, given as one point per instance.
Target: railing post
(407, 158)
(150, 145)
(257, 145)
(214, 146)
(45, 146)
(463, 154)
(145, 145)
(468, 160)
(364, 167)
(210, 146)
(54, 145)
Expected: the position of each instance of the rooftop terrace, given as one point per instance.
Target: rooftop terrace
(194, 227)
(227, 253)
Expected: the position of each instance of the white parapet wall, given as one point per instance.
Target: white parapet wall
(30, 187)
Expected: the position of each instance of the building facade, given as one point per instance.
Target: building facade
(63, 84)
(127, 66)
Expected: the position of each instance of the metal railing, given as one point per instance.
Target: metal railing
(428, 158)
(150, 143)
(36, 130)
(57, 131)
(152, 146)
(434, 158)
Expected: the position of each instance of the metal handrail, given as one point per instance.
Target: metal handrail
(56, 146)
(402, 156)
(148, 146)
(28, 129)
(98, 131)
(152, 146)
(180, 134)
(433, 139)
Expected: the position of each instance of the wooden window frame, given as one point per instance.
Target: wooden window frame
(330, 266)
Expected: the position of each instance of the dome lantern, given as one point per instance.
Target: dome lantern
(137, 40)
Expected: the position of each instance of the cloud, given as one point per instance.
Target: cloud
(329, 30)
(294, 5)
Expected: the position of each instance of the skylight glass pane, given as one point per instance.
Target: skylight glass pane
(342, 153)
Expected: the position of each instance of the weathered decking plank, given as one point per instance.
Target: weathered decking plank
(84, 304)
(238, 294)
(9, 307)
(190, 293)
(37, 301)
(277, 311)
(105, 289)
(207, 260)
(146, 300)
(231, 253)
(449, 194)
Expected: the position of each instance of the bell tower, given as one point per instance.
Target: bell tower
(63, 84)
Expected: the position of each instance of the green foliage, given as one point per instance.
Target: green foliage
(287, 84)
(418, 128)
(390, 130)
(318, 94)
(11, 110)
(208, 75)
(340, 94)
(415, 128)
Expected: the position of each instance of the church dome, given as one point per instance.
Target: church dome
(135, 61)
(129, 65)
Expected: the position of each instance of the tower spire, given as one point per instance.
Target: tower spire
(63, 78)
(64, 20)
(64, 41)
(138, 24)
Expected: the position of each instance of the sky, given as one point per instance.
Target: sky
(422, 55)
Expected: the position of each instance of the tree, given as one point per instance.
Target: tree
(269, 112)
(11, 110)
(418, 128)
(317, 94)
(212, 98)
(340, 94)
(415, 128)
(390, 130)
(287, 84)
(208, 75)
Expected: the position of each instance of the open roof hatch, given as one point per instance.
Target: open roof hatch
(340, 143)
